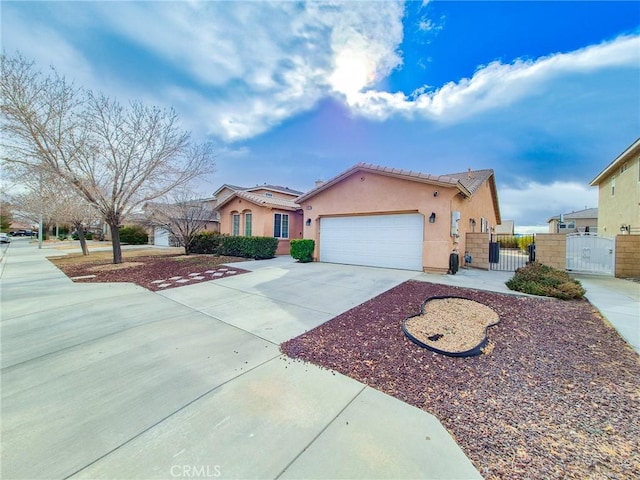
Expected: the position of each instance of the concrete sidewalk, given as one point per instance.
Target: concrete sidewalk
(111, 380)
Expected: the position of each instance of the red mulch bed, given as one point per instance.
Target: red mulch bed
(145, 270)
(557, 395)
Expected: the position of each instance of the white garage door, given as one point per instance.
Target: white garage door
(161, 237)
(391, 241)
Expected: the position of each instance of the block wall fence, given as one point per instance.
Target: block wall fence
(627, 256)
(477, 245)
(551, 249)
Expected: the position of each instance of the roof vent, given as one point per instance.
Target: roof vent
(469, 173)
(319, 182)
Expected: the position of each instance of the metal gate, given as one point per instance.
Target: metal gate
(510, 252)
(589, 253)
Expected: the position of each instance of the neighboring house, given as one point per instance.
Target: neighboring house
(583, 221)
(619, 193)
(263, 211)
(384, 217)
(507, 227)
(156, 215)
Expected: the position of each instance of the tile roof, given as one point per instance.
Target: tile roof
(273, 202)
(276, 188)
(586, 213)
(453, 180)
(472, 179)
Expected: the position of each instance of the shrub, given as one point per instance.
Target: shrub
(207, 242)
(134, 235)
(302, 249)
(539, 279)
(257, 248)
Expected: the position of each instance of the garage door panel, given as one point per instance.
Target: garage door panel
(392, 241)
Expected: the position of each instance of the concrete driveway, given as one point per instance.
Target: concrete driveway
(114, 381)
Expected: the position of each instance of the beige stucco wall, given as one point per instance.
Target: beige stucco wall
(365, 193)
(581, 224)
(627, 256)
(624, 207)
(551, 249)
(261, 221)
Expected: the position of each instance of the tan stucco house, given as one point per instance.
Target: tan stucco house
(581, 221)
(263, 211)
(385, 217)
(619, 193)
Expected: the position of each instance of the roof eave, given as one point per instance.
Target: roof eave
(635, 146)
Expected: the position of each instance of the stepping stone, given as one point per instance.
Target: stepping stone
(83, 277)
(223, 269)
(164, 285)
(184, 280)
(231, 272)
(209, 271)
(197, 278)
(218, 274)
(194, 274)
(175, 278)
(158, 281)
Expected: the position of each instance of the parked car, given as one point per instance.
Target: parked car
(23, 233)
(4, 238)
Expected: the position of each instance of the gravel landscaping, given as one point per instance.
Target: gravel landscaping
(153, 272)
(556, 393)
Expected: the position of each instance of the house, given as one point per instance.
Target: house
(264, 211)
(583, 221)
(384, 217)
(619, 193)
(186, 217)
(507, 227)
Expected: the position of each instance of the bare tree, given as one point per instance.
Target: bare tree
(57, 203)
(116, 157)
(184, 218)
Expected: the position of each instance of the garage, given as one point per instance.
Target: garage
(161, 237)
(389, 241)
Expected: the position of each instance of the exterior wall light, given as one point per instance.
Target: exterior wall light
(432, 218)
(625, 228)
(308, 222)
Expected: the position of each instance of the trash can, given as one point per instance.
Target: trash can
(494, 252)
(532, 252)
(454, 263)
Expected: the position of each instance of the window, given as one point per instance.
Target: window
(268, 194)
(484, 225)
(613, 187)
(247, 224)
(623, 168)
(281, 225)
(236, 225)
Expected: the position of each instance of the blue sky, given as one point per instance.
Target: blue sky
(545, 93)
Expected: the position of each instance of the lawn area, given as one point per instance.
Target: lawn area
(555, 395)
(152, 268)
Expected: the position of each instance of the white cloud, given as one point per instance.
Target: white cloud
(496, 85)
(533, 203)
(294, 55)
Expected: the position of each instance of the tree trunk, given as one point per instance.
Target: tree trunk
(115, 242)
(83, 240)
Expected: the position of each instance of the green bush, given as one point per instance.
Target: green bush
(134, 235)
(302, 249)
(257, 248)
(207, 242)
(539, 279)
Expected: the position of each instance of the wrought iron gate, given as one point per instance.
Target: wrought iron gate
(510, 252)
(589, 253)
